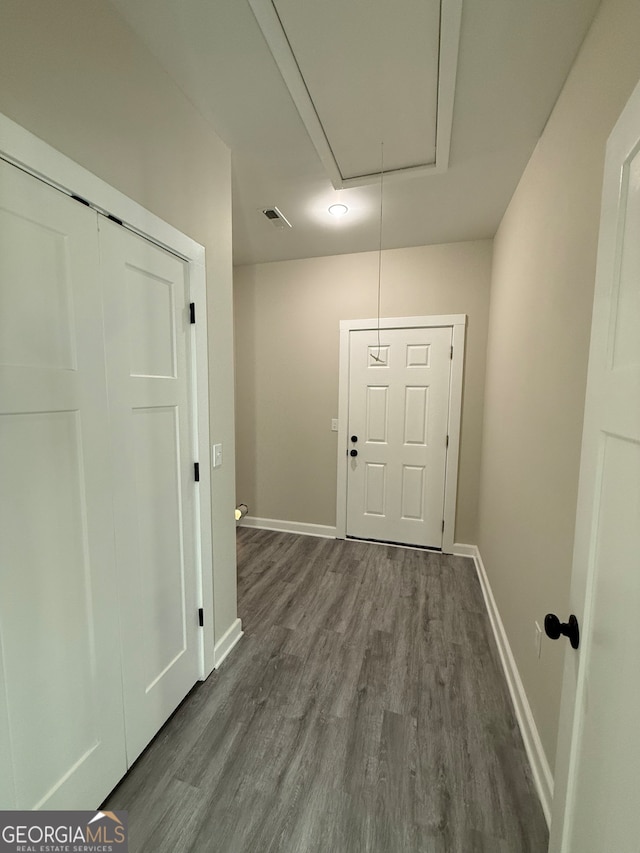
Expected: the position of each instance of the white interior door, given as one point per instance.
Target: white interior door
(599, 748)
(146, 301)
(61, 722)
(397, 434)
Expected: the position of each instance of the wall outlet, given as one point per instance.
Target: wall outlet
(538, 639)
(334, 425)
(216, 457)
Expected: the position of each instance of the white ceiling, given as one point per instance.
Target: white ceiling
(347, 83)
(370, 69)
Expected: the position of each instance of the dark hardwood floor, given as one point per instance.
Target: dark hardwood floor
(364, 710)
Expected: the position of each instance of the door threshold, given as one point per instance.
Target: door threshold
(394, 544)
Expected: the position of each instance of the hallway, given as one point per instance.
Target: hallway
(364, 710)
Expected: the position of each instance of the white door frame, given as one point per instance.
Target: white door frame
(28, 152)
(458, 324)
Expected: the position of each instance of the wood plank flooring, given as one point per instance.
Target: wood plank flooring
(364, 711)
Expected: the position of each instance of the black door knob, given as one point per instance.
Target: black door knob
(354, 438)
(554, 628)
(353, 453)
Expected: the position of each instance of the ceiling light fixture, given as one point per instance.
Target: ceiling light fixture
(338, 210)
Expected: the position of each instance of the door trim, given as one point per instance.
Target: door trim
(29, 153)
(458, 324)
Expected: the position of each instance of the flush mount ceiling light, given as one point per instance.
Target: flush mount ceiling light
(338, 210)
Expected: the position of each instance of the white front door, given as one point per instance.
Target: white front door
(147, 330)
(61, 722)
(397, 434)
(598, 769)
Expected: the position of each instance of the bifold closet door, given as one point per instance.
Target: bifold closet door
(146, 305)
(61, 722)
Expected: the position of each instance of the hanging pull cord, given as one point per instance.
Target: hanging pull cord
(377, 356)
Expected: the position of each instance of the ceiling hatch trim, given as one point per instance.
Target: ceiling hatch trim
(272, 29)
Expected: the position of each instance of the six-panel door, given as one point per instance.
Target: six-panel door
(398, 416)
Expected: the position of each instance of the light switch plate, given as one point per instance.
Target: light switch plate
(217, 455)
(334, 425)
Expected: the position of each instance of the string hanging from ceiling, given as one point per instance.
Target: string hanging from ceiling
(377, 356)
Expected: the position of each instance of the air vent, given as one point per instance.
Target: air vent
(276, 217)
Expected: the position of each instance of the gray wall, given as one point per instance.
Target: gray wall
(287, 318)
(539, 327)
(72, 73)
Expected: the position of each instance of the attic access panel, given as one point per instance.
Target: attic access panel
(362, 72)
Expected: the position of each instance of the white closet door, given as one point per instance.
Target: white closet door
(145, 294)
(61, 721)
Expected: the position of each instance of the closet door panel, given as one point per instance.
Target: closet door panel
(156, 445)
(61, 717)
(146, 294)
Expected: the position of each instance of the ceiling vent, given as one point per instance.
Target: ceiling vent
(276, 217)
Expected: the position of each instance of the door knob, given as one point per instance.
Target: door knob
(353, 452)
(354, 438)
(554, 628)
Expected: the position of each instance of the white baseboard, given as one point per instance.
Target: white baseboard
(542, 775)
(226, 643)
(303, 528)
(460, 550)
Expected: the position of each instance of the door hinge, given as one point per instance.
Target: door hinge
(447, 441)
(201, 617)
(196, 471)
(114, 219)
(443, 525)
(451, 356)
(192, 312)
